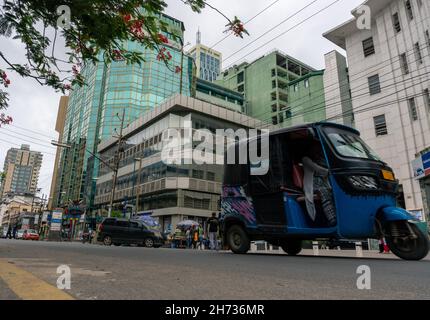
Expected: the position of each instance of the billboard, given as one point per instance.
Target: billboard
(421, 166)
(57, 218)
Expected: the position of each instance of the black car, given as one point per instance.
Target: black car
(122, 231)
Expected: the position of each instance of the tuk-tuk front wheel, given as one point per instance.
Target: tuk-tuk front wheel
(410, 247)
(238, 240)
(292, 247)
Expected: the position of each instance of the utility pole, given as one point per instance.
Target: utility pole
(116, 164)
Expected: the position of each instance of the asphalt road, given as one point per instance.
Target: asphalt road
(99, 272)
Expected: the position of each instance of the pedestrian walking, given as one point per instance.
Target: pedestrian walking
(188, 236)
(213, 227)
(9, 232)
(195, 237)
(15, 229)
(201, 237)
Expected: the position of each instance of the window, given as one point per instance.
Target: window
(273, 84)
(198, 174)
(307, 83)
(368, 47)
(240, 77)
(374, 84)
(296, 87)
(210, 176)
(275, 120)
(418, 55)
(122, 223)
(413, 109)
(404, 63)
(241, 88)
(380, 125)
(281, 118)
(396, 22)
(273, 72)
(409, 11)
(427, 99)
(348, 144)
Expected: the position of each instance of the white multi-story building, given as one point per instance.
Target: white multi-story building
(389, 67)
(208, 61)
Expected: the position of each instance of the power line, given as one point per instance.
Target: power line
(271, 29)
(29, 130)
(292, 28)
(37, 139)
(15, 144)
(248, 21)
(364, 85)
(12, 136)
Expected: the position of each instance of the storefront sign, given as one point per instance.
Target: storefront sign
(421, 166)
(57, 217)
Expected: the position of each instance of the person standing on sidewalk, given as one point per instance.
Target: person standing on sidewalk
(213, 227)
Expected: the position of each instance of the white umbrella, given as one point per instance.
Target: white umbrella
(187, 223)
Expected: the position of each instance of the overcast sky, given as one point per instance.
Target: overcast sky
(34, 108)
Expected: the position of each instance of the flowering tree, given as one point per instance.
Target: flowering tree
(90, 29)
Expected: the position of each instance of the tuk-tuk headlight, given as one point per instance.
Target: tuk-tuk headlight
(363, 182)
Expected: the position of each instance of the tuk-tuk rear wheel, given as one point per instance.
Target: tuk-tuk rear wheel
(408, 248)
(238, 240)
(292, 247)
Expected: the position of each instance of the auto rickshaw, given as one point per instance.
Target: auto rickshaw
(362, 192)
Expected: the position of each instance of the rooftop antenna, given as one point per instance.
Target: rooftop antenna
(199, 37)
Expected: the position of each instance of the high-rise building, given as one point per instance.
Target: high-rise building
(21, 171)
(59, 127)
(94, 110)
(208, 61)
(388, 71)
(285, 91)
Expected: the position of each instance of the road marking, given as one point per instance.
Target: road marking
(27, 286)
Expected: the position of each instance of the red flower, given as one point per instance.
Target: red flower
(7, 81)
(163, 38)
(178, 69)
(127, 18)
(3, 75)
(67, 87)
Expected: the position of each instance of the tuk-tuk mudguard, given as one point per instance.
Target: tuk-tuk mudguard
(396, 214)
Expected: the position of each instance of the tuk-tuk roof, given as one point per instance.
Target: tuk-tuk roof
(315, 125)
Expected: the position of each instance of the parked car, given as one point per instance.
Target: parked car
(30, 234)
(20, 233)
(122, 231)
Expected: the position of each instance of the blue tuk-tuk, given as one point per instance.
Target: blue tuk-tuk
(358, 200)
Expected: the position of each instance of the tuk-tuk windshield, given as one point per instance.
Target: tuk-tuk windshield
(348, 144)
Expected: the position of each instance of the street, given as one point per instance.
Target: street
(99, 272)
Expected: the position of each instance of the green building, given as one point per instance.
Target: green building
(284, 91)
(94, 111)
(306, 101)
(264, 84)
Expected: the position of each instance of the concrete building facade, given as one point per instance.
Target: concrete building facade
(169, 192)
(389, 77)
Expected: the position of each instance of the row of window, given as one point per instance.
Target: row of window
(380, 122)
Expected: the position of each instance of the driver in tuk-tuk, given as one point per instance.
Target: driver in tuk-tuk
(316, 182)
